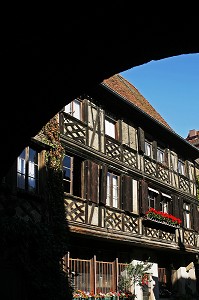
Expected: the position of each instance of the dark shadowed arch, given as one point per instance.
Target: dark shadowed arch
(47, 61)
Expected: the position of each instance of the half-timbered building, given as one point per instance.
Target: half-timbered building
(121, 161)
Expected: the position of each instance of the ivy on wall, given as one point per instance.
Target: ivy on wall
(197, 186)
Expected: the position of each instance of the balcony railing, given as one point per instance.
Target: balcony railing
(116, 221)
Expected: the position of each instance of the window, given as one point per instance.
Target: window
(164, 203)
(181, 167)
(112, 190)
(160, 155)
(27, 170)
(187, 215)
(152, 197)
(74, 109)
(67, 173)
(148, 149)
(110, 127)
(71, 168)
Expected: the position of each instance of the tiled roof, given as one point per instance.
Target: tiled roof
(125, 89)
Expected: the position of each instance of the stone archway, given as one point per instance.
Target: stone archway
(47, 61)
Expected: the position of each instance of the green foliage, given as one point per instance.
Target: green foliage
(133, 274)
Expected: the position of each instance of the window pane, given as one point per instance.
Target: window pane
(67, 174)
(147, 149)
(108, 189)
(110, 128)
(31, 184)
(21, 181)
(67, 108)
(76, 109)
(115, 191)
(33, 157)
(21, 166)
(160, 156)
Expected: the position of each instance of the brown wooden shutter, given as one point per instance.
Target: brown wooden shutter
(143, 192)
(158, 199)
(85, 110)
(186, 164)
(91, 181)
(103, 184)
(127, 193)
(154, 149)
(195, 215)
(177, 203)
(174, 210)
(141, 140)
(166, 157)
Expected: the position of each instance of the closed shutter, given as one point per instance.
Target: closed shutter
(103, 184)
(127, 193)
(141, 140)
(143, 192)
(91, 181)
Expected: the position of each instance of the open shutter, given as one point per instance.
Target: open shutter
(127, 193)
(177, 203)
(166, 157)
(141, 140)
(103, 184)
(91, 181)
(143, 191)
(175, 209)
(195, 215)
(158, 199)
(154, 149)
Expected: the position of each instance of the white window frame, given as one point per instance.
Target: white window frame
(160, 155)
(112, 197)
(187, 215)
(181, 167)
(152, 197)
(110, 127)
(164, 203)
(68, 169)
(148, 149)
(28, 170)
(74, 109)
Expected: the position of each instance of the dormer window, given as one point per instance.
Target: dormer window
(74, 109)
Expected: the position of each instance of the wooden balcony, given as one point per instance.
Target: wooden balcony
(90, 218)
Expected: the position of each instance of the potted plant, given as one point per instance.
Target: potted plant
(131, 276)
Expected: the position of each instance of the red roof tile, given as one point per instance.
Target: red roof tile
(125, 89)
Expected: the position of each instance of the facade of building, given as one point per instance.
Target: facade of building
(193, 137)
(129, 186)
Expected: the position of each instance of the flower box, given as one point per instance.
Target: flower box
(161, 218)
(163, 223)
